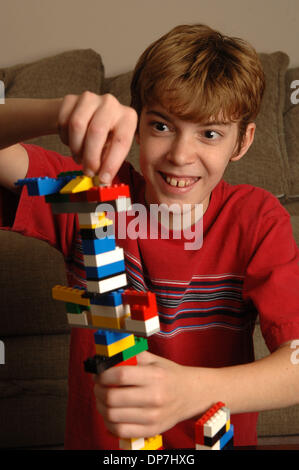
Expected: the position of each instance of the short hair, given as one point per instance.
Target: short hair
(197, 74)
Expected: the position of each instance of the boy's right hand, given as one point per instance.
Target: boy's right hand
(99, 131)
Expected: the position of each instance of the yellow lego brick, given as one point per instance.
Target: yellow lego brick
(227, 427)
(78, 184)
(153, 443)
(68, 294)
(108, 322)
(93, 220)
(114, 348)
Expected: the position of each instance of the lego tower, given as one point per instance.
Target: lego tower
(121, 317)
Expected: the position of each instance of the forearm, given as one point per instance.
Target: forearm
(269, 383)
(23, 119)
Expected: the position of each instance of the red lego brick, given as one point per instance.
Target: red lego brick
(141, 312)
(132, 361)
(199, 425)
(134, 297)
(108, 193)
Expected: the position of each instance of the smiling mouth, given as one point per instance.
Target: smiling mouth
(178, 181)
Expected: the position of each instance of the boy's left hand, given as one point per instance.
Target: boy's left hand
(143, 400)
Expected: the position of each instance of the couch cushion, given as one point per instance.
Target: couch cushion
(265, 164)
(268, 149)
(71, 72)
(29, 270)
(291, 127)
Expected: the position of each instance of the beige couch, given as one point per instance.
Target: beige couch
(33, 327)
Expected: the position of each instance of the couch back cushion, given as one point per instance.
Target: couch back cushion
(71, 72)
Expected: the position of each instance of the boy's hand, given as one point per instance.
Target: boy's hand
(99, 131)
(146, 399)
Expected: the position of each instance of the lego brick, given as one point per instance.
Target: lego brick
(109, 311)
(227, 437)
(108, 284)
(215, 423)
(42, 186)
(71, 174)
(134, 297)
(139, 346)
(117, 323)
(100, 272)
(78, 319)
(108, 193)
(57, 198)
(115, 348)
(131, 444)
(77, 184)
(148, 327)
(129, 362)
(104, 258)
(97, 246)
(68, 294)
(97, 232)
(153, 443)
(75, 308)
(119, 205)
(110, 299)
(142, 313)
(210, 441)
(216, 446)
(91, 218)
(97, 364)
(109, 337)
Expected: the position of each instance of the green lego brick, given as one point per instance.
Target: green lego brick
(70, 173)
(75, 308)
(139, 346)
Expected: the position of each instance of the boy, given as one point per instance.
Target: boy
(196, 95)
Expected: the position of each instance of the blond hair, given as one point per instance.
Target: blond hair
(197, 74)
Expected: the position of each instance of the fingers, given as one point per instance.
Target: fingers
(99, 131)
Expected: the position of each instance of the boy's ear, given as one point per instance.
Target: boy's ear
(246, 142)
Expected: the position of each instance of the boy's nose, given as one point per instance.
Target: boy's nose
(182, 152)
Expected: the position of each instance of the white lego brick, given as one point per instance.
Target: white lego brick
(216, 446)
(148, 327)
(102, 259)
(108, 284)
(110, 310)
(123, 204)
(132, 444)
(215, 423)
(77, 319)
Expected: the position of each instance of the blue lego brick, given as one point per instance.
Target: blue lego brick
(113, 298)
(105, 271)
(109, 337)
(42, 186)
(97, 246)
(227, 436)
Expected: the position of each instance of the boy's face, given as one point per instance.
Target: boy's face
(183, 161)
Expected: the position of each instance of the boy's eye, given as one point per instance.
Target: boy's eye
(160, 126)
(211, 135)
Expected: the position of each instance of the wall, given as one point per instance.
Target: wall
(120, 29)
